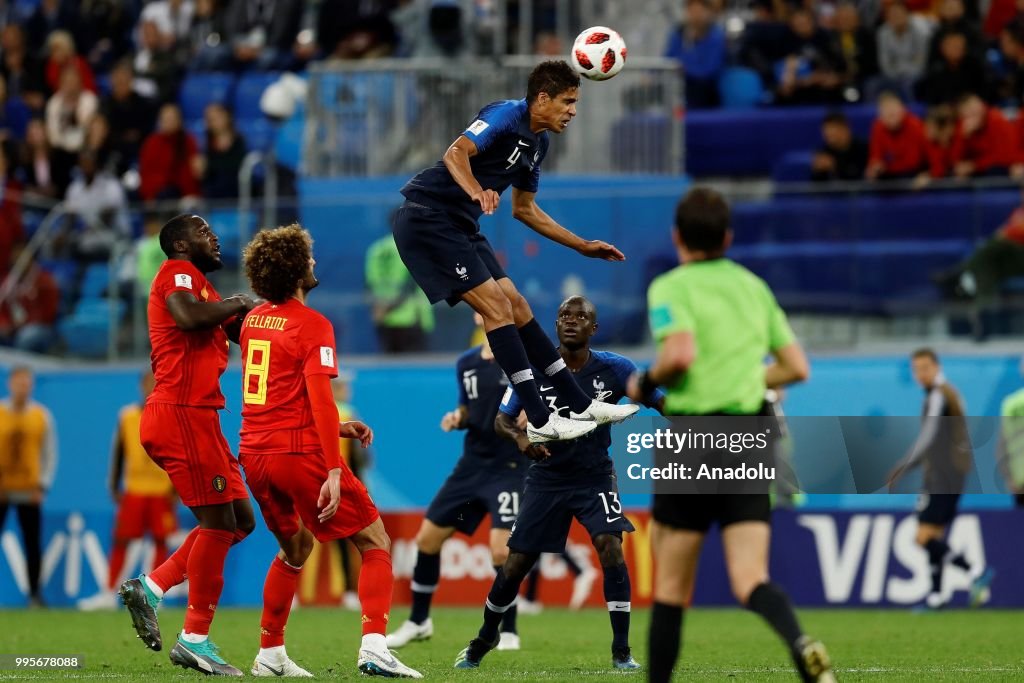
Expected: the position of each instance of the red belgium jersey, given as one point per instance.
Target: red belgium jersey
(282, 344)
(187, 365)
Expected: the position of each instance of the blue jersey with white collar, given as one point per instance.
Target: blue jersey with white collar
(508, 153)
(585, 460)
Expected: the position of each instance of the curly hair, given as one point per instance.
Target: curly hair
(276, 260)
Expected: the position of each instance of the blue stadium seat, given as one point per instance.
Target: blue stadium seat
(246, 102)
(793, 167)
(638, 143)
(23, 9)
(95, 281)
(200, 89)
(258, 133)
(225, 224)
(86, 332)
(750, 142)
(740, 88)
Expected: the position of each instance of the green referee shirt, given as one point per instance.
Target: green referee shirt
(1013, 436)
(735, 322)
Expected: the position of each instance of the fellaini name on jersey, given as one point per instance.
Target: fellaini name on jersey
(266, 322)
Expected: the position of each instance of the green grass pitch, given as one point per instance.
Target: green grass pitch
(720, 645)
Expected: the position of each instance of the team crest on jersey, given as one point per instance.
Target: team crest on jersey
(219, 484)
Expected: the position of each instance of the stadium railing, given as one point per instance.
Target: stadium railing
(392, 116)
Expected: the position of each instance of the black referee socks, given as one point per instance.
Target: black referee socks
(772, 603)
(663, 642)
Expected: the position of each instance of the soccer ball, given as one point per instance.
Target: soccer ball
(598, 53)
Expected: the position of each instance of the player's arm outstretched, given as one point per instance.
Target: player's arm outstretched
(526, 211)
(191, 314)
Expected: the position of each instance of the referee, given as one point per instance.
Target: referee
(714, 323)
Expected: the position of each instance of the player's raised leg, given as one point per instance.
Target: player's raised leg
(143, 594)
(746, 557)
(490, 301)
(542, 353)
(205, 569)
(376, 584)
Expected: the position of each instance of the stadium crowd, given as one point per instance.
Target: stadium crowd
(93, 111)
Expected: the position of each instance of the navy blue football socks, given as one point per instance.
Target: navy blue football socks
(508, 351)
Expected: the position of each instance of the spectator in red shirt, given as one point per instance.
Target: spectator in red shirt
(985, 143)
(940, 129)
(61, 47)
(169, 159)
(898, 148)
(28, 312)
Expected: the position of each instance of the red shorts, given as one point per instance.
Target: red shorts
(287, 486)
(187, 444)
(137, 515)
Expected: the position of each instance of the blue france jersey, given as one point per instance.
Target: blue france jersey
(481, 386)
(577, 463)
(508, 153)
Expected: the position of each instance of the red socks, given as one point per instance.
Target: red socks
(376, 583)
(170, 573)
(205, 569)
(278, 592)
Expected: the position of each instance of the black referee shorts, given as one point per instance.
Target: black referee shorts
(699, 512)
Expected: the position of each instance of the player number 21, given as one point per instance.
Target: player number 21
(612, 507)
(508, 503)
(469, 383)
(259, 349)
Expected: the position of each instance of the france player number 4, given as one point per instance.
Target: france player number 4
(257, 366)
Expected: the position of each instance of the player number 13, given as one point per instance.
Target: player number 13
(611, 503)
(257, 366)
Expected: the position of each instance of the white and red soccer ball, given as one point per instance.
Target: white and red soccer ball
(598, 53)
